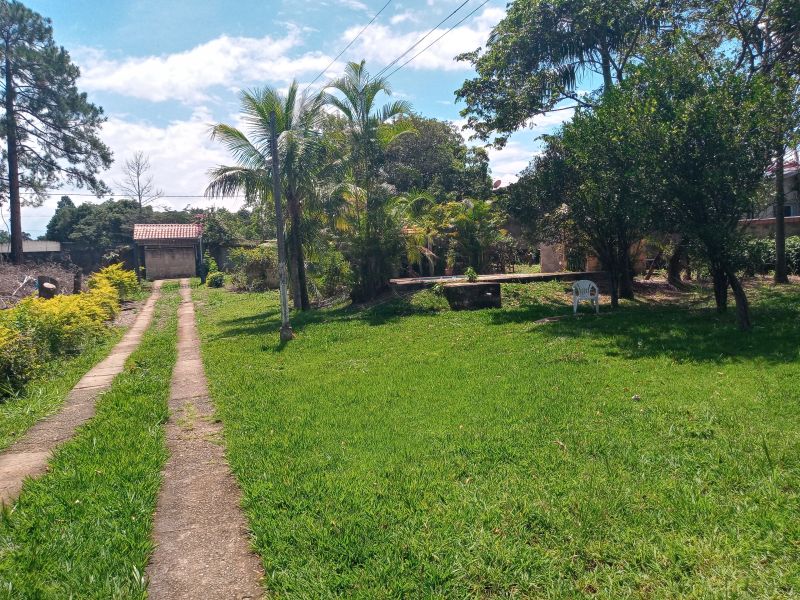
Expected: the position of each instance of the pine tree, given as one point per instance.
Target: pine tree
(50, 128)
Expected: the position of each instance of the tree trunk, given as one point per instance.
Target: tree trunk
(626, 277)
(742, 305)
(781, 273)
(13, 166)
(608, 82)
(720, 288)
(297, 263)
(675, 265)
(613, 280)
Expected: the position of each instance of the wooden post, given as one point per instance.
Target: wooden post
(286, 327)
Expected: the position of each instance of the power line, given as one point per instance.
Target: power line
(476, 9)
(350, 43)
(79, 194)
(420, 40)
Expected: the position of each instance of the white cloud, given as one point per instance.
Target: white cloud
(181, 153)
(188, 76)
(382, 44)
(402, 18)
(354, 4)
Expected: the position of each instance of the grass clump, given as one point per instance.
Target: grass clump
(83, 529)
(406, 452)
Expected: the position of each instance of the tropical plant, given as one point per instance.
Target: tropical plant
(298, 119)
(368, 132)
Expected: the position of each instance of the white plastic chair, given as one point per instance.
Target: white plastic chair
(585, 290)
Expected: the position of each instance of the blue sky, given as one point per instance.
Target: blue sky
(164, 71)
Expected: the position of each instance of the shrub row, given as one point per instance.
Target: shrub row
(758, 255)
(36, 329)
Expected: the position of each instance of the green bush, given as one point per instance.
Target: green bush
(215, 279)
(793, 254)
(255, 269)
(330, 274)
(471, 274)
(757, 255)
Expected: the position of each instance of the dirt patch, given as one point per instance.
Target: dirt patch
(128, 312)
(19, 281)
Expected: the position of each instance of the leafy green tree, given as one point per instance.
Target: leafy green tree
(299, 123)
(760, 37)
(539, 54)
(436, 159)
(50, 127)
(712, 133)
(369, 131)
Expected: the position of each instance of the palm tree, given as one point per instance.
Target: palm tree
(298, 123)
(370, 129)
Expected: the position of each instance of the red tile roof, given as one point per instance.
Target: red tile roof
(168, 231)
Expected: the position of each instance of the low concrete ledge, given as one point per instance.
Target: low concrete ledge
(411, 284)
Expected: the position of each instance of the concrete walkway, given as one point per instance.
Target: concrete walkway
(28, 457)
(201, 536)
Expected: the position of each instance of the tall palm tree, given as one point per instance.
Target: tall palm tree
(370, 129)
(298, 123)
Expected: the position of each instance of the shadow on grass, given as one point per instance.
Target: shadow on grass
(683, 332)
(382, 313)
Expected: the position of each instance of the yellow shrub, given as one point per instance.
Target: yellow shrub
(36, 329)
(124, 281)
(18, 361)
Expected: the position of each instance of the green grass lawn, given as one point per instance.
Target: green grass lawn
(409, 451)
(83, 529)
(44, 395)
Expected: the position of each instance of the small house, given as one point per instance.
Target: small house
(168, 251)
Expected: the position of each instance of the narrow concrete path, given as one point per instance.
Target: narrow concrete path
(201, 536)
(28, 457)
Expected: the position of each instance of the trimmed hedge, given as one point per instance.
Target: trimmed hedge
(37, 329)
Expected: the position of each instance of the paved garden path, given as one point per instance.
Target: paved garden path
(201, 536)
(28, 457)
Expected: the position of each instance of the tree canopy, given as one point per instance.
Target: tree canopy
(50, 128)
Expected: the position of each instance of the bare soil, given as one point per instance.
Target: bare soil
(19, 281)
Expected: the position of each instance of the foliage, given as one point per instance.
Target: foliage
(373, 242)
(471, 274)
(436, 159)
(18, 360)
(536, 56)
(109, 225)
(757, 255)
(215, 279)
(209, 264)
(122, 280)
(254, 269)
(50, 127)
(331, 274)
